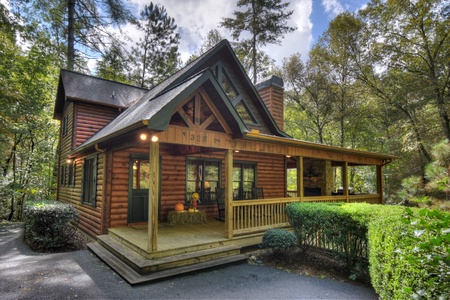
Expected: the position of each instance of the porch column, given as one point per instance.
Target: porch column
(153, 193)
(345, 180)
(229, 193)
(380, 183)
(300, 189)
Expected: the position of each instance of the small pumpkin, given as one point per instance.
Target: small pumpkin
(179, 206)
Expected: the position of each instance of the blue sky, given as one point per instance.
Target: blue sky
(196, 17)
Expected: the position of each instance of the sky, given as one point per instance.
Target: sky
(196, 17)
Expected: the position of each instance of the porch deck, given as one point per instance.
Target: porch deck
(172, 237)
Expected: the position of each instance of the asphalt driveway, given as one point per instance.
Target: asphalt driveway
(25, 274)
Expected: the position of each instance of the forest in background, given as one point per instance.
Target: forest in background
(377, 80)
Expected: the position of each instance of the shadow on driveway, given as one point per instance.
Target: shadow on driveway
(25, 274)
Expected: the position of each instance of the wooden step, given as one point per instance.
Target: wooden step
(133, 277)
(143, 265)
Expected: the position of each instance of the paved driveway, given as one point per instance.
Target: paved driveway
(80, 275)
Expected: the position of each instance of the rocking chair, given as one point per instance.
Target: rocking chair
(220, 198)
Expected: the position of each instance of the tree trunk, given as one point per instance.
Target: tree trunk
(254, 42)
(70, 34)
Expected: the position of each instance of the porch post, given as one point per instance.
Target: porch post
(229, 193)
(153, 193)
(380, 183)
(300, 189)
(345, 180)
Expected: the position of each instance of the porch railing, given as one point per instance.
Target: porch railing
(251, 216)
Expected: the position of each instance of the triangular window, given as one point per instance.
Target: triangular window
(245, 113)
(233, 95)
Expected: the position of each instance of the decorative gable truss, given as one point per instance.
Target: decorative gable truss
(198, 112)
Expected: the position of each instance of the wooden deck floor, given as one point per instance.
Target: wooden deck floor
(173, 236)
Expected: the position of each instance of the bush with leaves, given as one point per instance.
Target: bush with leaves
(48, 224)
(280, 241)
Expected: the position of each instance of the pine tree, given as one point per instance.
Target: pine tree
(156, 54)
(264, 20)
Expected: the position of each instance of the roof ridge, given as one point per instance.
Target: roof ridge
(104, 79)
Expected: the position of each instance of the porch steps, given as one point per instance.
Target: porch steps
(136, 269)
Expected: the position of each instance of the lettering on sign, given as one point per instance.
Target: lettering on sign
(199, 138)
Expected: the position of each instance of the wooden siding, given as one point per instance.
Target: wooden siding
(91, 118)
(89, 216)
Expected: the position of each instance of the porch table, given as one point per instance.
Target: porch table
(186, 217)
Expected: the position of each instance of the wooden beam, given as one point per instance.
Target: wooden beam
(380, 183)
(107, 189)
(229, 193)
(153, 193)
(345, 180)
(300, 189)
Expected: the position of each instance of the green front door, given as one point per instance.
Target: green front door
(138, 190)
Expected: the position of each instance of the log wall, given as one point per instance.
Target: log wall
(90, 119)
(270, 175)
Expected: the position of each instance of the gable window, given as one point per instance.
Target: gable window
(245, 113)
(203, 177)
(233, 95)
(244, 179)
(89, 189)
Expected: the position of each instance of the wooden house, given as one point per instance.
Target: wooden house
(129, 156)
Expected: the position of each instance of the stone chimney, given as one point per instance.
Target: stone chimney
(271, 91)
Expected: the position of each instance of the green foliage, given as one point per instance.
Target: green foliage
(410, 254)
(47, 224)
(280, 241)
(341, 228)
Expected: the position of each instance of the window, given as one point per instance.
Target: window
(233, 95)
(89, 190)
(245, 113)
(64, 126)
(244, 179)
(62, 175)
(203, 177)
(71, 173)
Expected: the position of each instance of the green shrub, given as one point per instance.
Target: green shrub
(339, 227)
(280, 241)
(47, 224)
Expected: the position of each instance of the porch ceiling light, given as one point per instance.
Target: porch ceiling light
(155, 138)
(143, 136)
(288, 156)
(69, 161)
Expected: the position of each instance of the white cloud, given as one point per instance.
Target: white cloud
(333, 7)
(195, 18)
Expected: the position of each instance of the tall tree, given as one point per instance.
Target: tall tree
(156, 54)
(114, 64)
(212, 38)
(414, 37)
(264, 20)
(310, 92)
(76, 25)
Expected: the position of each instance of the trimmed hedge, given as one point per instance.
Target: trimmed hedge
(280, 241)
(408, 249)
(47, 224)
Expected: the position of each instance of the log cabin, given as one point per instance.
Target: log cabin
(183, 176)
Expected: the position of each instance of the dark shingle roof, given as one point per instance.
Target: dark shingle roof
(86, 88)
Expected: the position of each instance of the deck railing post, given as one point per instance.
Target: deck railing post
(380, 183)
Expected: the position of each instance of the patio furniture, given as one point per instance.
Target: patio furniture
(220, 199)
(258, 192)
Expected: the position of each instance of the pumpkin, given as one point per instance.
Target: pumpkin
(179, 206)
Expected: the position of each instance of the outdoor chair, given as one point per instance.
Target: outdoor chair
(220, 198)
(258, 192)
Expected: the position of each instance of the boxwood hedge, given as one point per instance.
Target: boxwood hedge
(407, 249)
(47, 224)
